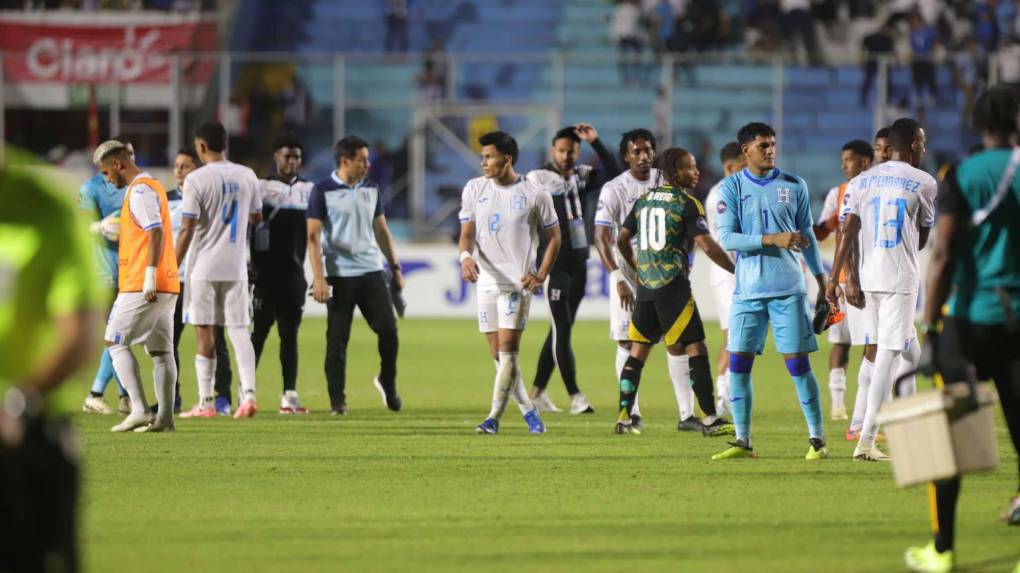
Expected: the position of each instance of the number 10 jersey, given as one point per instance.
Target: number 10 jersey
(893, 200)
(664, 222)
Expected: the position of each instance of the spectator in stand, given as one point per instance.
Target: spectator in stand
(625, 31)
(799, 22)
(967, 75)
(877, 45)
(701, 26)
(764, 27)
(986, 29)
(923, 39)
(396, 26)
(662, 22)
(1009, 62)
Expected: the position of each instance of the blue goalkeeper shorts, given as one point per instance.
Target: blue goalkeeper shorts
(790, 320)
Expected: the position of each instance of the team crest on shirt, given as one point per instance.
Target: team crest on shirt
(365, 195)
(517, 202)
(784, 195)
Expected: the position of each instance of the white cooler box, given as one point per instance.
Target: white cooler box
(939, 434)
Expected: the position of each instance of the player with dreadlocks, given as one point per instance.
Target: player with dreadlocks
(665, 223)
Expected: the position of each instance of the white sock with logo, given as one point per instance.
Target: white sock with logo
(680, 376)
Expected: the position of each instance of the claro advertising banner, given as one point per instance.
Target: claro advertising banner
(83, 48)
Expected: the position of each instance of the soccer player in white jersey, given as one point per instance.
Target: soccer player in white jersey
(637, 148)
(894, 203)
(723, 282)
(220, 199)
(502, 214)
(855, 157)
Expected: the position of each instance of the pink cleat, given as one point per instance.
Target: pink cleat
(197, 411)
(247, 409)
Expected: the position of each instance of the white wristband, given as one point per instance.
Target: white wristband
(464, 255)
(616, 277)
(150, 280)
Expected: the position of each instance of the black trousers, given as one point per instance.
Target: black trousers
(282, 304)
(39, 488)
(992, 350)
(224, 375)
(564, 293)
(372, 297)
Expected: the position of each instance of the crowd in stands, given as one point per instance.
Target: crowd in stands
(94, 5)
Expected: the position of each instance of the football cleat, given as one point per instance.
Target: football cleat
(489, 426)
(821, 320)
(838, 413)
(197, 411)
(691, 424)
(1012, 514)
(222, 406)
(289, 403)
(543, 403)
(636, 424)
(247, 409)
(96, 405)
(579, 404)
(853, 435)
(817, 449)
(927, 560)
(738, 449)
(535, 424)
(872, 455)
(124, 405)
(390, 399)
(340, 410)
(718, 427)
(133, 421)
(158, 425)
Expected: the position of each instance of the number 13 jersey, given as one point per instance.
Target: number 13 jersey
(664, 222)
(220, 196)
(893, 200)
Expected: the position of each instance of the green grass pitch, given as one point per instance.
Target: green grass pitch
(420, 491)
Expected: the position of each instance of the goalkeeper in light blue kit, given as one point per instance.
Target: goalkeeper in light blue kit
(764, 214)
(102, 201)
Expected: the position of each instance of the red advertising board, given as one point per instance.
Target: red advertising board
(60, 47)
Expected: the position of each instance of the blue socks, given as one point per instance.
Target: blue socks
(104, 374)
(807, 393)
(741, 395)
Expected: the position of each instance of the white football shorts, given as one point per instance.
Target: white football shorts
(619, 318)
(219, 303)
(133, 320)
(889, 319)
(504, 309)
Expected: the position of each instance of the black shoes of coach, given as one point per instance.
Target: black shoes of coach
(340, 410)
(389, 395)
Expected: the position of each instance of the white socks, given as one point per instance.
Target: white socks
(506, 376)
(908, 361)
(621, 358)
(164, 377)
(680, 376)
(861, 401)
(519, 393)
(722, 393)
(244, 352)
(837, 386)
(881, 381)
(129, 373)
(205, 371)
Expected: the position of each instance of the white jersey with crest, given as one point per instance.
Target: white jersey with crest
(220, 196)
(616, 201)
(893, 200)
(507, 225)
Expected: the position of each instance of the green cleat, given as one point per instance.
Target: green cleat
(927, 560)
(817, 450)
(737, 449)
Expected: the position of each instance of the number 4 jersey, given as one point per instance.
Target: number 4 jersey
(893, 201)
(663, 222)
(220, 196)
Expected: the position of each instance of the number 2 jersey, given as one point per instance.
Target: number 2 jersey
(664, 222)
(220, 196)
(893, 200)
(507, 222)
